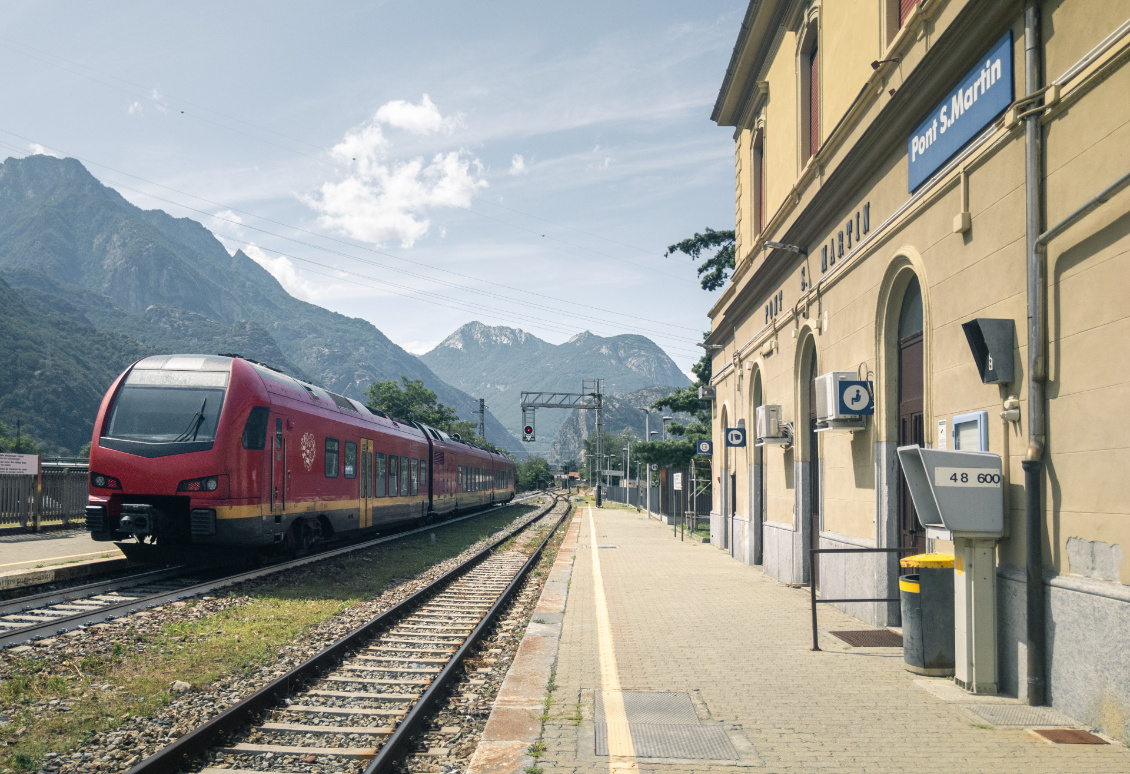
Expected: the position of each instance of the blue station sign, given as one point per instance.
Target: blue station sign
(704, 447)
(980, 97)
(735, 436)
(856, 398)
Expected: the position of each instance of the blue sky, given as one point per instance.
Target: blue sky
(420, 164)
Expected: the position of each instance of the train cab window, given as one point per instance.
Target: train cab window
(414, 467)
(255, 429)
(331, 457)
(350, 462)
(423, 474)
(393, 475)
(405, 484)
(379, 475)
(278, 432)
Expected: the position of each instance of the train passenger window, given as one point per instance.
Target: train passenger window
(331, 457)
(414, 467)
(278, 432)
(255, 429)
(379, 474)
(423, 474)
(405, 484)
(350, 461)
(393, 475)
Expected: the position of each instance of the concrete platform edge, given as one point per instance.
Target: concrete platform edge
(514, 723)
(22, 578)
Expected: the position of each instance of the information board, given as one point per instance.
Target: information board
(19, 465)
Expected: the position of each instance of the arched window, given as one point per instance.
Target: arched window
(759, 181)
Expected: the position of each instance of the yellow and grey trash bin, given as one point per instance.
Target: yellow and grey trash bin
(927, 614)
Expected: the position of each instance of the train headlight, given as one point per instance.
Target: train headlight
(102, 481)
(206, 484)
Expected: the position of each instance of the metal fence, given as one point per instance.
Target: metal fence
(59, 504)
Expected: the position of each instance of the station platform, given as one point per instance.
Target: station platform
(43, 557)
(671, 657)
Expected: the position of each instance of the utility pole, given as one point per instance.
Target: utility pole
(647, 437)
(482, 418)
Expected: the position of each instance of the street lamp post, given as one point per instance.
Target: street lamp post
(627, 470)
(647, 437)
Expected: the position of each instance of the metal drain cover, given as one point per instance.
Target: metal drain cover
(871, 638)
(665, 725)
(1020, 715)
(662, 740)
(1070, 736)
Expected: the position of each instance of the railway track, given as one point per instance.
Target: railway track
(358, 702)
(35, 617)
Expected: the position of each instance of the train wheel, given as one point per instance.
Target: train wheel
(298, 538)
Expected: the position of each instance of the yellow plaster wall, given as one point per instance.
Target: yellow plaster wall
(781, 126)
(849, 42)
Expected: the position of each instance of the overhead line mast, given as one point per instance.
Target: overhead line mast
(591, 397)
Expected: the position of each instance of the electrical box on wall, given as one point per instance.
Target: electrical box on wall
(770, 429)
(991, 342)
(843, 401)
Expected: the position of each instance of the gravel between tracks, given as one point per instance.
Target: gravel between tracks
(139, 737)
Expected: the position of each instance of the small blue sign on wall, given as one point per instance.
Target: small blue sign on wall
(856, 398)
(969, 108)
(704, 447)
(735, 436)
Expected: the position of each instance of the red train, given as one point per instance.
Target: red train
(201, 451)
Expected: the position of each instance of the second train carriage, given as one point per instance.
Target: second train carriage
(200, 450)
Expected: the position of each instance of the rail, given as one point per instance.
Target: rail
(812, 552)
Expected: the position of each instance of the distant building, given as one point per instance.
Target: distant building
(883, 144)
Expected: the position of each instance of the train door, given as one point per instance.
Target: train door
(366, 478)
(911, 406)
(278, 469)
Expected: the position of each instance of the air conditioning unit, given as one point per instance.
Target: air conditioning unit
(843, 401)
(706, 392)
(771, 431)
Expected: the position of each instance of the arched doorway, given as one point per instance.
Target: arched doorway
(911, 399)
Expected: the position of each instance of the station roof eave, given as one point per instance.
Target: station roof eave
(762, 17)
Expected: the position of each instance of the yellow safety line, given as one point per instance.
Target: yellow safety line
(49, 559)
(621, 751)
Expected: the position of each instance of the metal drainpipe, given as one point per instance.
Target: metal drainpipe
(1033, 459)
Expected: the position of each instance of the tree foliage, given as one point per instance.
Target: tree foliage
(17, 444)
(410, 401)
(679, 453)
(714, 270)
(533, 473)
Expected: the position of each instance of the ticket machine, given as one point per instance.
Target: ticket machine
(959, 496)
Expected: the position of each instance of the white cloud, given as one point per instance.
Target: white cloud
(39, 150)
(420, 347)
(381, 199)
(135, 109)
(518, 165)
(283, 269)
(603, 160)
(421, 119)
(226, 220)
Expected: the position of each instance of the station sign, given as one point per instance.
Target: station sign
(704, 447)
(982, 95)
(735, 436)
(678, 482)
(19, 464)
(855, 398)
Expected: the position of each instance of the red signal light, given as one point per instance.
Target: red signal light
(529, 430)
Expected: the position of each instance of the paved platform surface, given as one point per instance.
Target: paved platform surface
(22, 552)
(730, 650)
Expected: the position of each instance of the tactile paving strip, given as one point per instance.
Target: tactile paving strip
(1020, 715)
(665, 725)
(871, 638)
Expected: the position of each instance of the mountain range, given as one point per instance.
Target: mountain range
(89, 283)
(77, 253)
(499, 363)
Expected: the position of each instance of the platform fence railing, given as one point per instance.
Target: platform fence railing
(54, 500)
(814, 568)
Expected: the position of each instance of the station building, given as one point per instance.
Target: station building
(895, 165)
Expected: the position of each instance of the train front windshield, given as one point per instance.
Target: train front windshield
(158, 406)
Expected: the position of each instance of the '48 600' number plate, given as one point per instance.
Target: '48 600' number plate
(966, 477)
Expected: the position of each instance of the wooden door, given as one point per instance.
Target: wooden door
(911, 402)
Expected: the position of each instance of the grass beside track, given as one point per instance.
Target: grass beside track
(103, 690)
